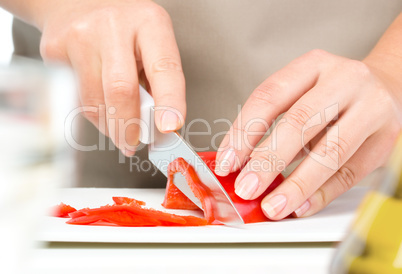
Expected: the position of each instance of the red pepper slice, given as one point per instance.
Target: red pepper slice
(129, 212)
(250, 210)
(120, 218)
(136, 211)
(194, 221)
(125, 218)
(174, 198)
(62, 210)
(198, 188)
(127, 201)
(84, 220)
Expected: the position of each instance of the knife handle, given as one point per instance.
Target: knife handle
(147, 123)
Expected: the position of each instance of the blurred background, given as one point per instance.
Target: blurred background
(35, 159)
(6, 45)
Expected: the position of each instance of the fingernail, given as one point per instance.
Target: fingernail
(225, 162)
(274, 205)
(247, 186)
(169, 121)
(302, 209)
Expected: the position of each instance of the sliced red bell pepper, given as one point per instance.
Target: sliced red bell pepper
(198, 188)
(78, 213)
(129, 212)
(127, 201)
(194, 221)
(250, 210)
(174, 198)
(120, 218)
(62, 210)
(84, 220)
(125, 218)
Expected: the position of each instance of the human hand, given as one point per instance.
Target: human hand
(340, 113)
(108, 44)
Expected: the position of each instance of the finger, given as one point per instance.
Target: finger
(52, 48)
(370, 156)
(273, 97)
(143, 79)
(120, 85)
(304, 120)
(163, 69)
(332, 152)
(308, 147)
(88, 68)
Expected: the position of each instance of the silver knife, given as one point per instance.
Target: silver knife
(163, 148)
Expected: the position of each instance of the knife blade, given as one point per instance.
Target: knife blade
(163, 148)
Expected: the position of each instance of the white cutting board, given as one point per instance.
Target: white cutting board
(329, 225)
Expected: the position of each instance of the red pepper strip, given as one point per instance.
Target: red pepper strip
(194, 221)
(127, 201)
(138, 211)
(78, 213)
(124, 218)
(121, 218)
(126, 215)
(250, 210)
(197, 187)
(84, 220)
(174, 198)
(62, 210)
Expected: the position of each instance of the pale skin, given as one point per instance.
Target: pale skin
(368, 98)
(112, 44)
(108, 43)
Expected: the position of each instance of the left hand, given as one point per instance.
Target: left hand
(340, 113)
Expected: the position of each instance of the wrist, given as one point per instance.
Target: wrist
(32, 12)
(388, 68)
(38, 11)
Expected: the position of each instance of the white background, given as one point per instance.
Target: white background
(6, 45)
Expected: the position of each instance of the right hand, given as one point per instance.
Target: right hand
(109, 44)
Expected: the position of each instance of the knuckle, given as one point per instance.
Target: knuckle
(298, 116)
(333, 150)
(110, 12)
(91, 114)
(346, 177)
(317, 54)
(267, 162)
(79, 30)
(120, 88)
(267, 92)
(385, 102)
(165, 64)
(51, 49)
(394, 131)
(155, 12)
(238, 136)
(300, 186)
(91, 103)
(323, 199)
(357, 68)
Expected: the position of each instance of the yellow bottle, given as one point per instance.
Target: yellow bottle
(374, 243)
